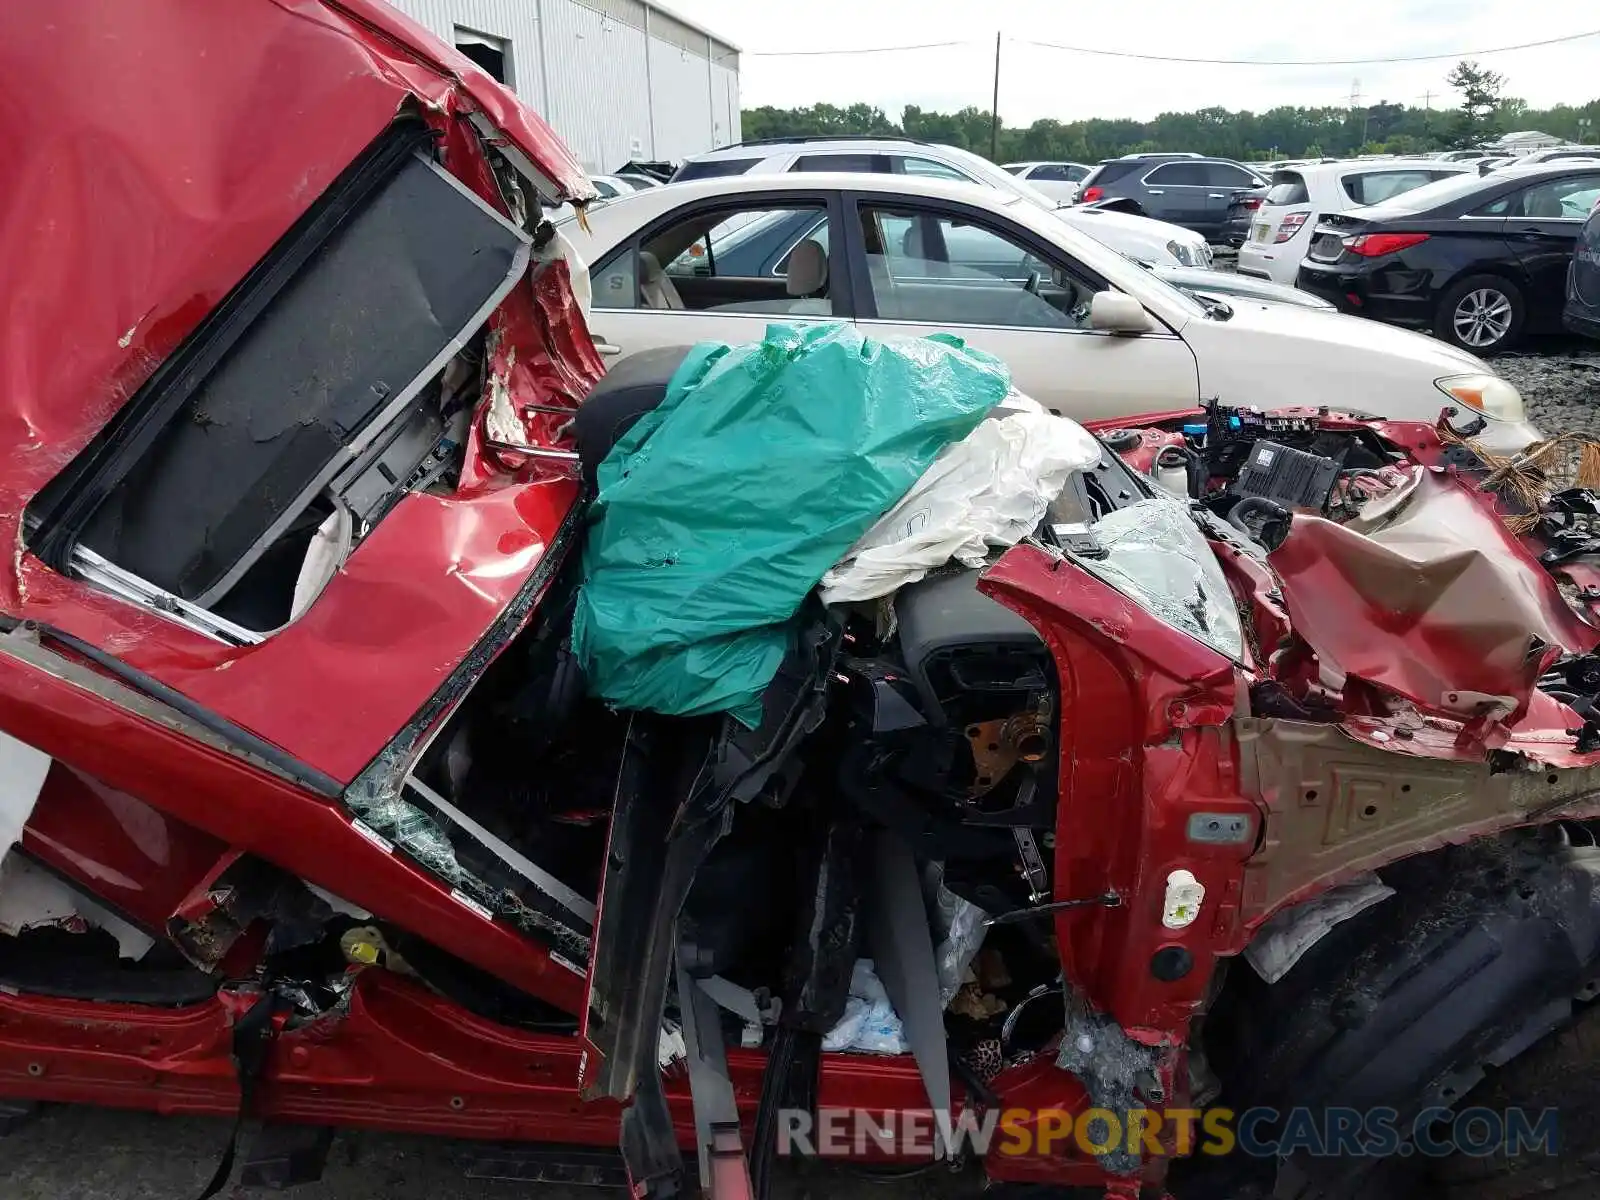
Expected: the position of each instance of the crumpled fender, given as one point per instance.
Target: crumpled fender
(1440, 604)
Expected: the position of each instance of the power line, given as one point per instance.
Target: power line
(1311, 62)
(1172, 58)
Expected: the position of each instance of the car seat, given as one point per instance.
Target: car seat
(631, 387)
(806, 276)
(656, 288)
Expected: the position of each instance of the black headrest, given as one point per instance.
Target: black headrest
(631, 387)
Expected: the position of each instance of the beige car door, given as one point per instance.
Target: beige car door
(936, 265)
(718, 270)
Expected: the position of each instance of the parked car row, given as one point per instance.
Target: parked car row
(1139, 237)
(1481, 261)
(1287, 217)
(1468, 277)
(1084, 330)
(1058, 180)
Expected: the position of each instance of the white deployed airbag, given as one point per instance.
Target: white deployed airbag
(992, 488)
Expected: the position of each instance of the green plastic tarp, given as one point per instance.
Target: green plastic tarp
(722, 508)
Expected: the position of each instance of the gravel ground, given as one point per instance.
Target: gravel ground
(86, 1154)
(1560, 382)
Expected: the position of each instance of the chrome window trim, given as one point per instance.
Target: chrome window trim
(107, 576)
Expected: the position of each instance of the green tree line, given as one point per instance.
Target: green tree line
(1284, 132)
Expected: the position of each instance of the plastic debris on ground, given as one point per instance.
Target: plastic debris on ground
(869, 1025)
(991, 489)
(720, 511)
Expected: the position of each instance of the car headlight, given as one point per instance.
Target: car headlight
(1180, 252)
(1486, 394)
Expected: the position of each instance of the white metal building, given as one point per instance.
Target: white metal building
(618, 79)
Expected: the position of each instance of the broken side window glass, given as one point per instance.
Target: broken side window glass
(1155, 555)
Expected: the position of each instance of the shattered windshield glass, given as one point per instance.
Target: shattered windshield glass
(1157, 557)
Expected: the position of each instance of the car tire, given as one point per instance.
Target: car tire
(1483, 314)
(1561, 1072)
(1488, 948)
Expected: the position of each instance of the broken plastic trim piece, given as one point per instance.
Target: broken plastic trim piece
(492, 137)
(505, 447)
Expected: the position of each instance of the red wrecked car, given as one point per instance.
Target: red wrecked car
(1260, 782)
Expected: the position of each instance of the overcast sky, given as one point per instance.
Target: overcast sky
(1038, 83)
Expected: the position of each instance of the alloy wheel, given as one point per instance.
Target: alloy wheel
(1482, 318)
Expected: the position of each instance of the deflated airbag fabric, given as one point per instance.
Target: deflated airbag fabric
(722, 508)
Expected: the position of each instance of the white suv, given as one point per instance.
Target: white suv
(1155, 243)
(1280, 233)
(1059, 180)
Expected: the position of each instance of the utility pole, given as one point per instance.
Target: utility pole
(1427, 113)
(994, 110)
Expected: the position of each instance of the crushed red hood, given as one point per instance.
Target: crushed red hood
(159, 149)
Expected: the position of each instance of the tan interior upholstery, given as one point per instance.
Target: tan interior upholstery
(807, 275)
(656, 289)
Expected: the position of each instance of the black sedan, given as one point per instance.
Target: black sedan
(1479, 260)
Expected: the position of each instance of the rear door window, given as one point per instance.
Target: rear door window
(1374, 187)
(1226, 175)
(1567, 199)
(717, 168)
(1288, 187)
(1561, 199)
(873, 164)
(1179, 174)
(744, 258)
(927, 168)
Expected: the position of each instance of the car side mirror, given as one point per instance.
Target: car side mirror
(1114, 312)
